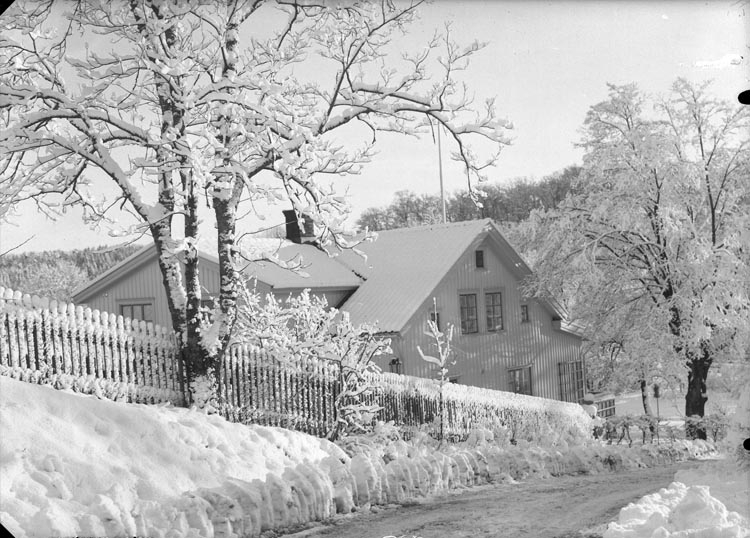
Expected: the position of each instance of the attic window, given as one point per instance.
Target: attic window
(479, 259)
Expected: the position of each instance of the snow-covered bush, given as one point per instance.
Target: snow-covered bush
(407, 400)
(304, 328)
(443, 343)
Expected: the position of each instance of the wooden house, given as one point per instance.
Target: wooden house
(462, 274)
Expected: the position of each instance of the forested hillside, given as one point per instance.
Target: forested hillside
(510, 203)
(56, 273)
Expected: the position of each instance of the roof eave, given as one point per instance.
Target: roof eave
(571, 328)
(292, 289)
(132, 262)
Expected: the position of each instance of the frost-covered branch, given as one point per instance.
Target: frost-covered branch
(176, 101)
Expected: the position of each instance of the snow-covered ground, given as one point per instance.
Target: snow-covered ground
(687, 510)
(78, 465)
(710, 502)
(671, 403)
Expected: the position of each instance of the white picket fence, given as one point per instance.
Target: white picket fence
(75, 347)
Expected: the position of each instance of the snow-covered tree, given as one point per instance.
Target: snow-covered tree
(302, 328)
(182, 103)
(660, 227)
(622, 349)
(443, 343)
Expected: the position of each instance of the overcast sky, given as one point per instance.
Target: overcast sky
(545, 63)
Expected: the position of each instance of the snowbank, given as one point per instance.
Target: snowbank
(726, 482)
(678, 511)
(77, 465)
(712, 501)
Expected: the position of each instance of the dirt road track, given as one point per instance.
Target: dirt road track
(549, 508)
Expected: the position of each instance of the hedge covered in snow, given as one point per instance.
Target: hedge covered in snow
(412, 403)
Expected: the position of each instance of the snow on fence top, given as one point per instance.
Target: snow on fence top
(93, 319)
(75, 347)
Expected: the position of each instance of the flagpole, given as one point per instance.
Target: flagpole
(440, 168)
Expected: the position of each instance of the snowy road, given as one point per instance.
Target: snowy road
(548, 508)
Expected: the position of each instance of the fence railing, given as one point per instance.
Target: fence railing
(73, 346)
(69, 346)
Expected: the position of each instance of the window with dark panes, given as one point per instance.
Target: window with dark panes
(571, 381)
(469, 321)
(524, 313)
(520, 380)
(479, 258)
(494, 306)
(140, 311)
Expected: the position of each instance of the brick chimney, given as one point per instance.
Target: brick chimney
(293, 231)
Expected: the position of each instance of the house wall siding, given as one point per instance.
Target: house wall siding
(483, 359)
(144, 282)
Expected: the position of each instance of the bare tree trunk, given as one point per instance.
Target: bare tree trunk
(695, 398)
(644, 398)
(698, 365)
(226, 220)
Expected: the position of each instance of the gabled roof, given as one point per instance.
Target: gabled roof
(114, 273)
(404, 266)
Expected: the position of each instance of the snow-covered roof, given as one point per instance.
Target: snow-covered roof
(404, 266)
(401, 269)
(317, 270)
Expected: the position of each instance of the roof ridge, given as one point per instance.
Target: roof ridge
(431, 226)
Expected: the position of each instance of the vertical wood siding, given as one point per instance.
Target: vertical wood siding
(483, 359)
(145, 282)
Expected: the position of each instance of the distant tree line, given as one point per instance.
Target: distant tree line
(510, 203)
(56, 273)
